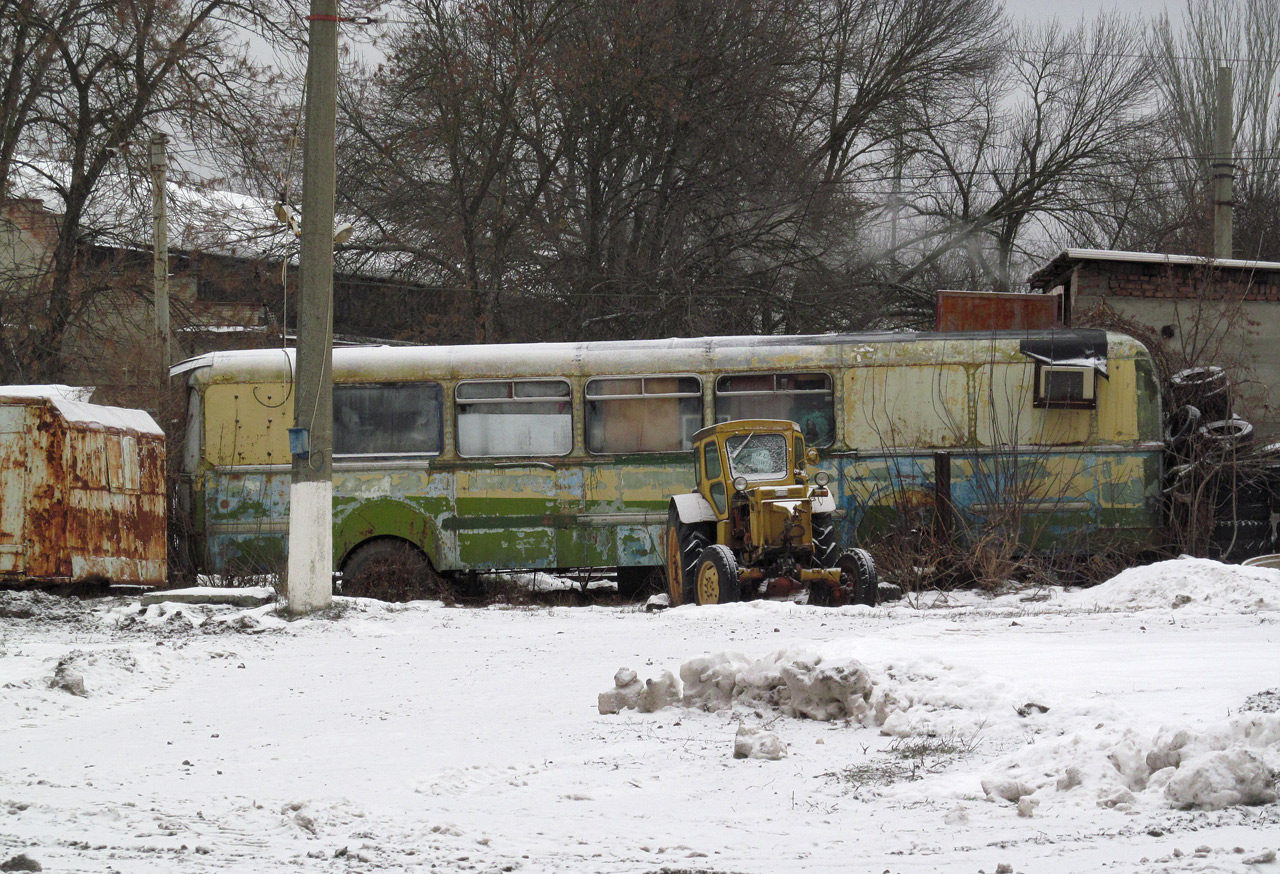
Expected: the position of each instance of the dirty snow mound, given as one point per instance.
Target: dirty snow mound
(1187, 583)
(172, 618)
(40, 606)
(796, 683)
(908, 699)
(1224, 778)
(85, 673)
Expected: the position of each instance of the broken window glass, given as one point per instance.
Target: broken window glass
(757, 456)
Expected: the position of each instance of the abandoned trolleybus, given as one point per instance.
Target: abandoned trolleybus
(563, 455)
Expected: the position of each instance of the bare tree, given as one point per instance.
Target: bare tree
(1018, 155)
(95, 76)
(872, 63)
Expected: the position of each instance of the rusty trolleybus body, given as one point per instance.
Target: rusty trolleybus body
(563, 455)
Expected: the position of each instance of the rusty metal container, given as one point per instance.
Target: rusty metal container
(996, 311)
(82, 490)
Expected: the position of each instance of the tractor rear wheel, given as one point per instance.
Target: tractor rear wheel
(717, 581)
(683, 547)
(858, 576)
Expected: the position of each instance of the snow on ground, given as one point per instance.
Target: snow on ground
(1129, 728)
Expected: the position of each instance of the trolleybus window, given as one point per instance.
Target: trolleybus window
(803, 398)
(643, 413)
(516, 417)
(395, 419)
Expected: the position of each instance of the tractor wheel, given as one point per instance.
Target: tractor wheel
(717, 581)
(825, 548)
(684, 544)
(858, 576)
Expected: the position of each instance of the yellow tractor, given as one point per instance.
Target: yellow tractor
(756, 526)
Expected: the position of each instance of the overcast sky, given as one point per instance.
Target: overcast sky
(1071, 11)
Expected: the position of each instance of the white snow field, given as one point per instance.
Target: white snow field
(1126, 728)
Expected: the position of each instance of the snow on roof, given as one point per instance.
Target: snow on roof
(672, 355)
(200, 218)
(71, 402)
(54, 390)
(1050, 271)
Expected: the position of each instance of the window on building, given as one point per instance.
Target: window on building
(387, 420)
(514, 417)
(643, 413)
(803, 398)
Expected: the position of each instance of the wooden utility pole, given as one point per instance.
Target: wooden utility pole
(1223, 166)
(160, 252)
(309, 580)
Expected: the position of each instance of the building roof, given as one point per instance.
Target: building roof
(1050, 274)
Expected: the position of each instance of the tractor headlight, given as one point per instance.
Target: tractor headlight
(821, 478)
(740, 483)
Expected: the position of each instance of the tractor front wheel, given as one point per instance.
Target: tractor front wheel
(717, 581)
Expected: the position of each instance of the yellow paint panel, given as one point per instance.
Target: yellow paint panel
(1117, 412)
(919, 406)
(243, 425)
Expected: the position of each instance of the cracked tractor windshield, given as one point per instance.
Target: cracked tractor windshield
(757, 456)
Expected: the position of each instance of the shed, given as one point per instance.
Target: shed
(82, 490)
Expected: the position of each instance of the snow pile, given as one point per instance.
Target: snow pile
(758, 743)
(795, 683)
(629, 693)
(176, 618)
(102, 672)
(40, 606)
(1196, 584)
(906, 699)
(1230, 764)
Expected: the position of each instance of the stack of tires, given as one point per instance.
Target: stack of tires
(1214, 473)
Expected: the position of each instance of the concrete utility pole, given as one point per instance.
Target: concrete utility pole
(1223, 166)
(160, 249)
(309, 582)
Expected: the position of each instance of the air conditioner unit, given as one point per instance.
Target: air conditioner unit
(1066, 386)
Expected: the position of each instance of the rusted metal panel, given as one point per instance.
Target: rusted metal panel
(996, 311)
(92, 487)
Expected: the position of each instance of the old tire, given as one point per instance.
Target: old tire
(1208, 388)
(825, 547)
(390, 569)
(1181, 426)
(858, 576)
(682, 548)
(1226, 436)
(717, 579)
